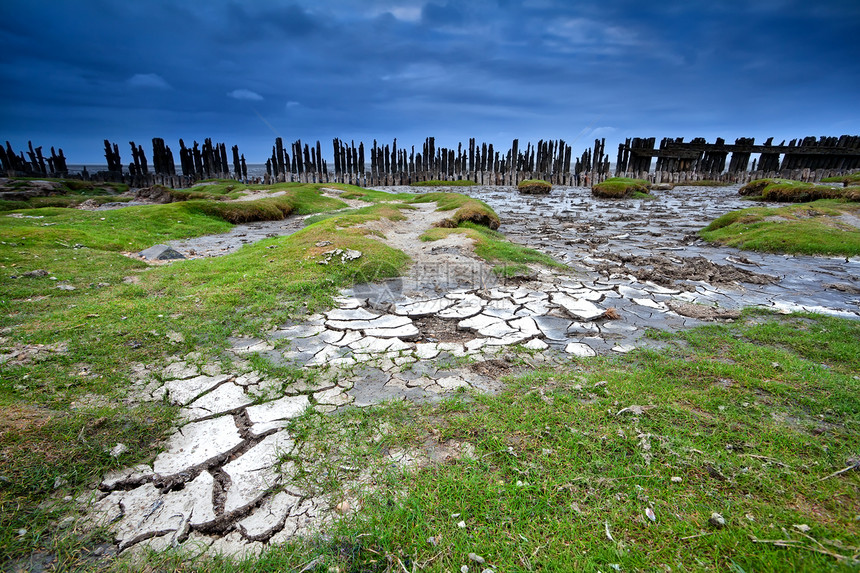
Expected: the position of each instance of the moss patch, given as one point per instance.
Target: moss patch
(824, 227)
(790, 191)
(852, 179)
(534, 187)
(621, 188)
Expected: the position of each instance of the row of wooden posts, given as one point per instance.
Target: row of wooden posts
(808, 159)
(825, 154)
(393, 165)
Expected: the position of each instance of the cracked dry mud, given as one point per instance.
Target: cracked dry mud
(224, 482)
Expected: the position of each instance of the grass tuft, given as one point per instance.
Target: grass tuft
(846, 180)
(789, 191)
(621, 188)
(534, 187)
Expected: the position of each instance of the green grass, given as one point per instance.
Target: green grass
(63, 411)
(439, 183)
(809, 229)
(620, 188)
(748, 420)
(537, 186)
(853, 178)
(640, 195)
(790, 191)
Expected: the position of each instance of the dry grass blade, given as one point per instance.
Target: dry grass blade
(842, 471)
(799, 544)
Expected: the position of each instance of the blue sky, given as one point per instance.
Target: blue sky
(243, 72)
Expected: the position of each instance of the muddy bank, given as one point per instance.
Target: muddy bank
(657, 241)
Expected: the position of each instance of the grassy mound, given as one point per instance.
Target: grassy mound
(534, 187)
(790, 191)
(621, 188)
(439, 183)
(846, 180)
(825, 227)
(465, 209)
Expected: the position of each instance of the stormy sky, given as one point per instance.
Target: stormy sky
(74, 72)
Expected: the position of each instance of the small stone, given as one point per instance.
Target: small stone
(160, 253)
(175, 337)
(461, 525)
(802, 527)
(118, 450)
(580, 349)
(477, 558)
(717, 520)
(36, 273)
(677, 479)
(464, 569)
(536, 344)
(623, 348)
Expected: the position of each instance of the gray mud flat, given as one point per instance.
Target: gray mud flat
(656, 241)
(238, 236)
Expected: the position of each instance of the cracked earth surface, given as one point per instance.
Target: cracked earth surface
(222, 483)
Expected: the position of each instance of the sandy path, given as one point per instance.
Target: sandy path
(437, 266)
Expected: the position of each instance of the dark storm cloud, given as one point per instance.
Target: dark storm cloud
(77, 72)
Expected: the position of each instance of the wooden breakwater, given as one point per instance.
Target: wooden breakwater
(206, 161)
(387, 165)
(377, 165)
(807, 159)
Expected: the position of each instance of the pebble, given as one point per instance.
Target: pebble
(717, 520)
(118, 450)
(477, 558)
